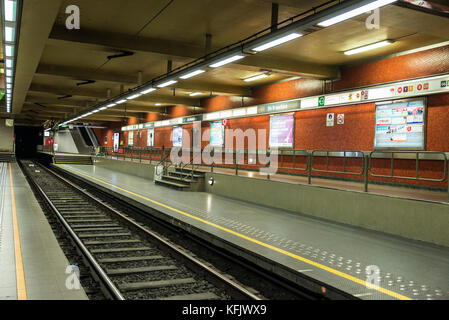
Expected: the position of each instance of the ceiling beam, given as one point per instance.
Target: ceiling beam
(76, 73)
(93, 93)
(182, 53)
(38, 18)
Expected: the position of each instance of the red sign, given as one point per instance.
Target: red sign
(224, 122)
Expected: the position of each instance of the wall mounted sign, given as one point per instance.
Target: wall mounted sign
(330, 120)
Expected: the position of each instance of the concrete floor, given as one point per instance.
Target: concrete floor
(44, 263)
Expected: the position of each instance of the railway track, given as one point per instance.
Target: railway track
(128, 260)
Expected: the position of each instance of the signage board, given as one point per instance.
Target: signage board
(400, 125)
(281, 131)
(150, 137)
(330, 119)
(177, 136)
(116, 141)
(217, 130)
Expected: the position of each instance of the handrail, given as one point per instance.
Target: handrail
(417, 158)
(345, 152)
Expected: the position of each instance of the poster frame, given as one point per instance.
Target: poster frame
(223, 132)
(294, 130)
(182, 136)
(423, 148)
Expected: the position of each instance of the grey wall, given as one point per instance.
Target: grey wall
(6, 138)
(133, 168)
(64, 140)
(412, 219)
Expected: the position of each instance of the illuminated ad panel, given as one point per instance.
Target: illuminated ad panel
(130, 138)
(400, 125)
(216, 134)
(150, 137)
(116, 141)
(281, 131)
(177, 136)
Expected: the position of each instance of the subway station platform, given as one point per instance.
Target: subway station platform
(331, 255)
(32, 265)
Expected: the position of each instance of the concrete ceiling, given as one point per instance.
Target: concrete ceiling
(53, 60)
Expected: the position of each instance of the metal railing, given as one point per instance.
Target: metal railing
(294, 162)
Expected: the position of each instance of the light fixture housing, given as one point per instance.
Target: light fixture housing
(192, 74)
(368, 47)
(167, 83)
(148, 90)
(256, 77)
(134, 96)
(355, 12)
(193, 94)
(276, 42)
(121, 101)
(227, 61)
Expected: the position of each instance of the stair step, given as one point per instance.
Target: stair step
(172, 184)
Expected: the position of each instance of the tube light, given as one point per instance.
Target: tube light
(226, 61)
(10, 10)
(277, 42)
(369, 47)
(192, 74)
(148, 90)
(158, 104)
(121, 101)
(193, 94)
(9, 50)
(111, 105)
(165, 84)
(102, 108)
(9, 34)
(259, 76)
(355, 12)
(8, 63)
(134, 96)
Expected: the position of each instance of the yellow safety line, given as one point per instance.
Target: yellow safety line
(266, 245)
(20, 273)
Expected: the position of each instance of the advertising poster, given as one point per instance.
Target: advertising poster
(150, 137)
(197, 135)
(281, 131)
(216, 134)
(130, 138)
(400, 125)
(116, 141)
(177, 136)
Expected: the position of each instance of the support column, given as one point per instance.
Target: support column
(274, 16)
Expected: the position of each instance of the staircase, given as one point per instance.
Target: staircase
(183, 180)
(63, 159)
(7, 157)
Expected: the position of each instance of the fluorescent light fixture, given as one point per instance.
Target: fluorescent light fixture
(111, 105)
(195, 94)
(158, 104)
(259, 76)
(95, 111)
(148, 90)
(9, 34)
(277, 42)
(10, 10)
(134, 96)
(226, 61)
(8, 63)
(121, 101)
(8, 72)
(102, 108)
(192, 74)
(369, 47)
(355, 12)
(9, 50)
(165, 84)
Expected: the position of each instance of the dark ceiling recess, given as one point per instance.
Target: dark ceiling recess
(120, 55)
(64, 97)
(85, 82)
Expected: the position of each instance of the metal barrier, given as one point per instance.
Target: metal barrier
(242, 159)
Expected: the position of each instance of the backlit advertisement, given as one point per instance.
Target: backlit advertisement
(130, 138)
(400, 125)
(177, 136)
(216, 134)
(116, 141)
(150, 137)
(281, 131)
